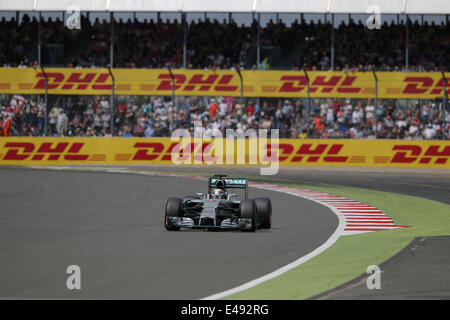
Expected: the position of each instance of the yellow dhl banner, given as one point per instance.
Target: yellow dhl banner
(257, 83)
(291, 152)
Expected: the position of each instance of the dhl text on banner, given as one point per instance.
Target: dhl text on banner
(256, 83)
(290, 152)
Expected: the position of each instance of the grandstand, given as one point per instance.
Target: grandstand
(321, 44)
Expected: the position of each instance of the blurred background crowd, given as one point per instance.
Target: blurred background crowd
(154, 43)
(157, 117)
(213, 44)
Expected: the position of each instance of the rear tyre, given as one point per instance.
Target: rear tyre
(173, 209)
(248, 211)
(264, 213)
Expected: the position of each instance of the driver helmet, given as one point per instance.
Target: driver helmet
(218, 193)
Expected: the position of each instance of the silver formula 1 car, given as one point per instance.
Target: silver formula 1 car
(218, 209)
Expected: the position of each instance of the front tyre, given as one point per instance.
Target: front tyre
(173, 210)
(248, 212)
(264, 212)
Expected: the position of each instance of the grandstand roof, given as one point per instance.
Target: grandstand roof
(258, 6)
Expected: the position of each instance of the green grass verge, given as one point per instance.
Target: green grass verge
(350, 256)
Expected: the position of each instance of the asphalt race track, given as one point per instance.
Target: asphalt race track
(111, 226)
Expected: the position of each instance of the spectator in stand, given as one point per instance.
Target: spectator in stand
(379, 110)
(61, 123)
(106, 120)
(329, 116)
(370, 110)
(230, 103)
(298, 111)
(324, 108)
(52, 120)
(438, 127)
(239, 108)
(287, 110)
(357, 115)
(341, 117)
(429, 132)
(104, 104)
(223, 108)
(413, 130)
(265, 123)
(348, 109)
(6, 125)
(426, 112)
(127, 132)
(149, 131)
(319, 123)
(213, 109)
(279, 117)
(147, 107)
(250, 108)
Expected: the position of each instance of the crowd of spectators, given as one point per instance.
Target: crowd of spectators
(211, 44)
(158, 117)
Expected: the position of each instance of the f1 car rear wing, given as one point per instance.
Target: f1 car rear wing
(230, 183)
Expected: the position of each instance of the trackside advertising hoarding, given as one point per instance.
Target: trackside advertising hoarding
(256, 83)
(289, 152)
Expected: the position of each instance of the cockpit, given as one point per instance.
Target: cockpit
(219, 194)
